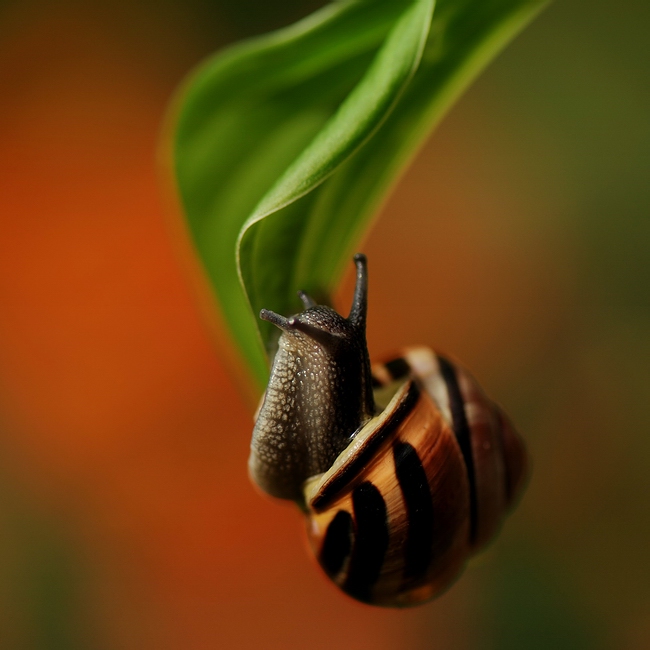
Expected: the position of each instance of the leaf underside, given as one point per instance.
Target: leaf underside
(285, 145)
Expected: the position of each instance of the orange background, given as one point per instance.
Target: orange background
(518, 242)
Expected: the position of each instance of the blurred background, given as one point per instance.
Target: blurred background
(519, 240)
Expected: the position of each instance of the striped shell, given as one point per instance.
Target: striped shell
(403, 470)
(420, 489)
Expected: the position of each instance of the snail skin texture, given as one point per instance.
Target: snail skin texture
(403, 470)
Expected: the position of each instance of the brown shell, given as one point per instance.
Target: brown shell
(420, 488)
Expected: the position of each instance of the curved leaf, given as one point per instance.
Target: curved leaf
(286, 145)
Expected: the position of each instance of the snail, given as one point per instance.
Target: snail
(403, 469)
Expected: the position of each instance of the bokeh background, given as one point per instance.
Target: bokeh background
(519, 241)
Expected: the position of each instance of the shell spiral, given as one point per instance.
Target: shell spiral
(420, 489)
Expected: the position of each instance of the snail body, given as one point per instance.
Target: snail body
(403, 469)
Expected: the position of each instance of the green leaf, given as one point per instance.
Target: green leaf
(286, 145)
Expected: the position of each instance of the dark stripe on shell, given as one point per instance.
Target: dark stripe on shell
(337, 543)
(419, 507)
(370, 541)
(351, 470)
(463, 435)
(398, 368)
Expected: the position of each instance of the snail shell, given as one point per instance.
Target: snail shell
(403, 470)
